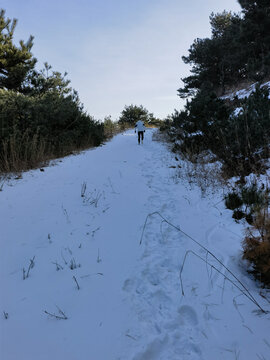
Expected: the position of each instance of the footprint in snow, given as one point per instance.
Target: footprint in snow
(153, 278)
(153, 350)
(188, 315)
(160, 299)
(128, 285)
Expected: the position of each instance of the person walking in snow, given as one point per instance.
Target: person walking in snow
(139, 126)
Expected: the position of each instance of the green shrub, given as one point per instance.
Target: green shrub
(252, 196)
(238, 215)
(246, 201)
(249, 218)
(233, 201)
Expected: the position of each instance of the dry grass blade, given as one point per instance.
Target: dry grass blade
(61, 316)
(242, 287)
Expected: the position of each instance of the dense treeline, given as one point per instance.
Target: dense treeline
(236, 132)
(237, 137)
(40, 115)
(237, 52)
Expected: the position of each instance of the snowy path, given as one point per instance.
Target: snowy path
(129, 303)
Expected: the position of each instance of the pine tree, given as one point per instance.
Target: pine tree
(15, 62)
(132, 113)
(46, 80)
(255, 35)
(220, 22)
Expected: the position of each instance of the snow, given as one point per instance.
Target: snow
(196, 133)
(237, 111)
(245, 93)
(129, 305)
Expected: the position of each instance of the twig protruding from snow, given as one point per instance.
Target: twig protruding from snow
(94, 231)
(58, 266)
(5, 315)
(74, 278)
(111, 185)
(85, 276)
(73, 265)
(65, 261)
(83, 189)
(62, 315)
(98, 257)
(31, 265)
(66, 214)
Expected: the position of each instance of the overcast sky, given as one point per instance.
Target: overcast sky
(117, 52)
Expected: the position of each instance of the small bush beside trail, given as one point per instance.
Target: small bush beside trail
(246, 201)
(256, 246)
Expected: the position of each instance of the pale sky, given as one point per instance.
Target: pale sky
(117, 52)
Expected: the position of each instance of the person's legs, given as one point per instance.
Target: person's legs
(140, 135)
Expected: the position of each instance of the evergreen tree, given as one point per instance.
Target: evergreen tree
(220, 22)
(238, 50)
(41, 117)
(15, 62)
(132, 113)
(250, 5)
(46, 80)
(255, 34)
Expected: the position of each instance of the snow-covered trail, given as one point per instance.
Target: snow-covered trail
(129, 303)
